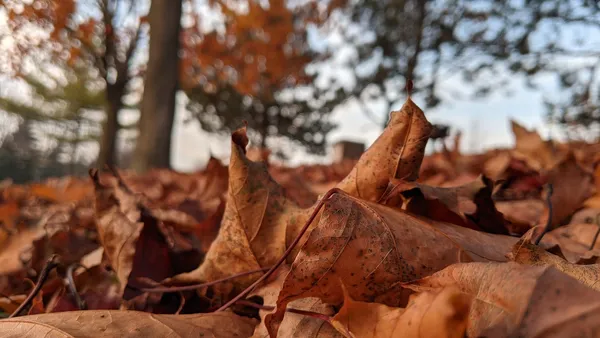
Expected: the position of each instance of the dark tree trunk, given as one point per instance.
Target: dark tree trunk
(153, 149)
(110, 128)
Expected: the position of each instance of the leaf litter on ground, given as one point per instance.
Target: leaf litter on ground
(406, 245)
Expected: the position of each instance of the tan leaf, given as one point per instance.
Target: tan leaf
(428, 314)
(526, 212)
(496, 166)
(13, 246)
(469, 205)
(530, 147)
(372, 248)
(572, 242)
(258, 223)
(114, 323)
(119, 227)
(293, 325)
(586, 216)
(524, 252)
(397, 153)
(134, 249)
(572, 185)
(11, 303)
(512, 300)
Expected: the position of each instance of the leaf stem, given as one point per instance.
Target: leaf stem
(271, 308)
(409, 87)
(199, 286)
(181, 303)
(597, 232)
(549, 220)
(72, 288)
(50, 265)
(286, 253)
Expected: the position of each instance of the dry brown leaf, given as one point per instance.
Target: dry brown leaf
(372, 248)
(107, 323)
(130, 236)
(440, 314)
(293, 325)
(586, 216)
(593, 202)
(573, 242)
(530, 147)
(526, 212)
(397, 153)
(119, 227)
(558, 242)
(296, 188)
(512, 300)
(468, 205)
(11, 303)
(524, 252)
(572, 185)
(14, 246)
(9, 213)
(97, 288)
(496, 166)
(258, 223)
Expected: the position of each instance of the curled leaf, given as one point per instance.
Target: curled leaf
(258, 223)
(441, 314)
(397, 153)
(524, 252)
(294, 324)
(115, 323)
(572, 185)
(512, 300)
(469, 205)
(373, 248)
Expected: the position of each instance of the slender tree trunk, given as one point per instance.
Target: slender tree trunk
(110, 128)
(153, 149)
(264, 130)
(74, 144)
(419, 26)
(414, 58)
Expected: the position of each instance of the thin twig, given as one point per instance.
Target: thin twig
(286, 253)
(549, 221)
(50, 265)
(72, 288)
(409, 87)
(181, 303)
(597, 232)
(113, 170)
(199, 286)
(271, 308)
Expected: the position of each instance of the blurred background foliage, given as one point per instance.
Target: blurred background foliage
(73, 73)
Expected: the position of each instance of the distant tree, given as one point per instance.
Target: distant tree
(578, 112)
(22, 161)
(254, 68)
(100, 36)
(486, 42)
(59, 105)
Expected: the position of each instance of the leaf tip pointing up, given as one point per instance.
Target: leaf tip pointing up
(240, 138)
(95, 176)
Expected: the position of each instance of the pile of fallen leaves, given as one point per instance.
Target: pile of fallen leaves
(395, 245)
